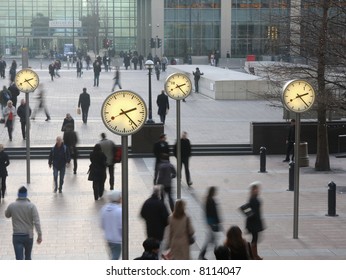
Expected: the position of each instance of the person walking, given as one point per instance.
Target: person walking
(180, 230)
(21, 112)
(79, 67)
(157, 70)
(4, 162)
(97, 71)
(116, 79)
(14, 93)
(5, 96)
(197, 75)
(290, 141)
(59, 157)
(239, 248)
(13, 70)
(51, 70)
(70, 139)
(111, 223)
(2, 67)
(165, 175)
(84, 103)
(160, 147)
(108, 148)
(155, 214)
(213, 222)
(97, 171)
(163, 106)
(68, 121)
(185, 147)
(25, 217)
(254, 222)
(10, 113)
(41, 103)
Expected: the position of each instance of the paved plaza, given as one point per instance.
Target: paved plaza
(70, 221)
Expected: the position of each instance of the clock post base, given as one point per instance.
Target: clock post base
(143, 141)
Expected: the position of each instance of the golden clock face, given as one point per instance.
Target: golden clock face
(178, 86)
(26, 80)
(298, 96)
(124, 112)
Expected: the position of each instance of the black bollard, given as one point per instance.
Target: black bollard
(263, 160)
(291, 176)
(331, 199)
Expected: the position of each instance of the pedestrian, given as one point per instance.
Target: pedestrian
(59, 157)
(68, 120)
(57, 67)
(163, 106)
(164, 61)
(213, 221)
(239, 248)
(13, 70)
(185, 148)
(197, 75)
(4, 162)
(88, 61)
(165, 175)
(97, 171)
(155, 214)
(70, 139)
(41, 103)
(14, 93)
(51, 70)
(254, 223)
(151, 250)
(5, 96)
(25, 217)
(2, 67)
(79, 67)
(108, 148)
(84, 103)
(21, 112)
(291, 138)
(10, 113)
(116, 79)
(134, 60)
(180, 231)
(111, 223)
(97, 71)
(160, 147)
(157, 70)
(127, 61)
(140, 61)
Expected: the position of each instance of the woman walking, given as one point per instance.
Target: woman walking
(4, 162)
(97, 171)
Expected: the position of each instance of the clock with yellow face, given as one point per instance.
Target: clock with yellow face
(298, 96)
(26, 80)
(178, 86)
(124, 112)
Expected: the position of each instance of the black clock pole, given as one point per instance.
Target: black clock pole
(178, 152)
(125, 197)
(296, 177)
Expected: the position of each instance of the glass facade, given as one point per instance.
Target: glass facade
(45, 25)
(192, 27)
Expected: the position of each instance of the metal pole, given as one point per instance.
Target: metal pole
(296, 177)
(178, 152)
(150, 119)
(27, 136)
(125, 197)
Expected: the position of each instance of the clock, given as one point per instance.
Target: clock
(26, 80)
(124, 112)
(178, 86)
(298, 96)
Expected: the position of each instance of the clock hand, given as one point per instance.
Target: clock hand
(300, 96)
(27, 81)
(124, 113)
(179, 87)
(127, 111)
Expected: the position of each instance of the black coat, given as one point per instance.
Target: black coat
(161, 147)
(162, 103)
(84, 100)
(254, 223)
(185, 147)
(4, 162)
(97, 171)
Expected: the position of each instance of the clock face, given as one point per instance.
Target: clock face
(26, 80)
(298, 96)
(178, 86)
(124, 112)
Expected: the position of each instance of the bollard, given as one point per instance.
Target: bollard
(331, 199)
(263, 160)
(291, 176)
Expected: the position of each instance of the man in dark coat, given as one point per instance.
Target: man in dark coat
(290, 141)
(21, 112)
(163, 104)
(155, 214)
(84, 103)
(14, 93)
(160, 147)
(70, 139)
(97, 71)
(185, 149)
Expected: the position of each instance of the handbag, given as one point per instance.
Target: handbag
(78, 111)
(191, 237)
(246, 210)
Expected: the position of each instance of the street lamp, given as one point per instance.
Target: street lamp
(149, 64)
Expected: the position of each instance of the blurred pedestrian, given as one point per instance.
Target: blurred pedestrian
(239, 248)
(108, 148)
(70, 139)
(151, 250)
(222, 252)
(2, 67)
(97, 171)
(25, 217)
(254, 223)
(157, 70)
(68, 120)
(213, 222)
(79, 67)
(14, 93)
(4, 162)
(51, 70)
(116, 79)
(5, 96)
(84, 103)
(41, 103)
(10, 113)
(185, 147)
(21, 112)
(97, 71)
(290, 141)
(59, 157)
(160, 147)
(111, 223)
(180, 230)
(13, 70)
(163, 106)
